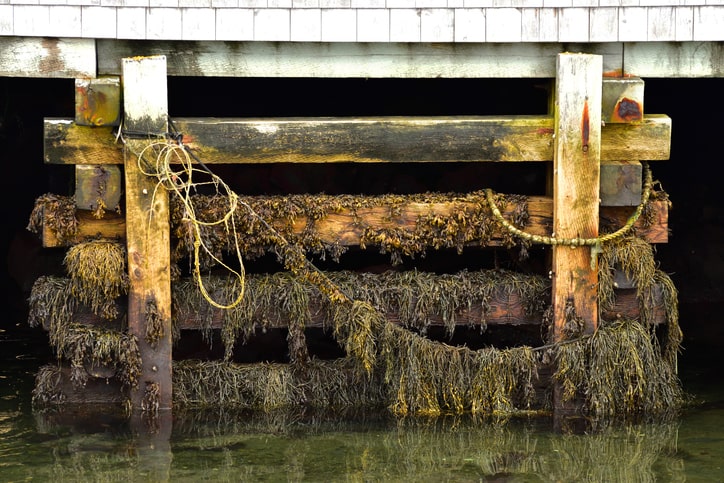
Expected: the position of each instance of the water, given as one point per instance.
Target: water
(218, 446)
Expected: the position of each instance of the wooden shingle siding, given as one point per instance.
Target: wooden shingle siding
(369, 20)
(373, 25)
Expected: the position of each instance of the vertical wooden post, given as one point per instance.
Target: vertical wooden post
(576, 185)
(147, 231)
(97, 103)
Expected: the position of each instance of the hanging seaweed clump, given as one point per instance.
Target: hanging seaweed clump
(415, 299)
(421, 376)
(47, 390)
(86, 347)
(97, 271)
(634, 257)
(333, 384)
(57, 213)
(618, 371)
(154, 323)
(431, 378)
(51, 304)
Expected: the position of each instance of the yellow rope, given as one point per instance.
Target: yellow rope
(180, 183)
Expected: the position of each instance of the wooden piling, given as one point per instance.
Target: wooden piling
(576, 185)
(147, 231)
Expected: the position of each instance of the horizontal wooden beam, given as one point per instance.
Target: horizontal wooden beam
(111, 227)
(371, 139)
(349, 59)
(506, 309)
(345, 226)
(78, 58)
(674, 59)
(47, 57)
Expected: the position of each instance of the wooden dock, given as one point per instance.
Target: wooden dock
(597, 141)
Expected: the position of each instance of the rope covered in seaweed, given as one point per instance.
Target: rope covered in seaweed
(575, 242)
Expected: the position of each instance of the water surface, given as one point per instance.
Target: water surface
(365, 447)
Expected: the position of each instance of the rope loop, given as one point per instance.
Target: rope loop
(576, 242)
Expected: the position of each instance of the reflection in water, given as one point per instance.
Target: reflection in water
(309, 446)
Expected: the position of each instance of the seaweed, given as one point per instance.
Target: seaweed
(98, 275)
(266, 387)
(619, 372)
(467, 220)
(57, 213)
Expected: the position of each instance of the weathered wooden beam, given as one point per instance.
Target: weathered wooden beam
(66, 142)
(47, 57)
(98, 101)
(674, 59)
(621, 183)
(349, 59)
(345, 225)
(148, 234)
(375, 139)
(111, 226)
(622, 99)
(576, 185)
(97, 186)
(505, 308)
(508, 309)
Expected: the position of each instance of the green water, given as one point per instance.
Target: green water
(292, 447)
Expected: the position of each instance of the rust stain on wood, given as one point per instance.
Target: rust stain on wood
(618, 73)
(628, 110)
(585, 127)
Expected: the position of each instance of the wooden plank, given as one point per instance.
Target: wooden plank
(576, 183)
(674, 59)
(98, 101)
(349, 59)
(47, 57)
(621, 183)
(389, 139)
(348, 225)
(622, 99)
(111, 226)
(147, 230)
(69, 143)
(507, 309)
(373, 139)
(96, 184)
(576, 187)
(646, 141)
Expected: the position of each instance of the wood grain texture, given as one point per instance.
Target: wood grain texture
(47, 57)
(371, 139)
(350, 59)
(147, 228)
(576, 185)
